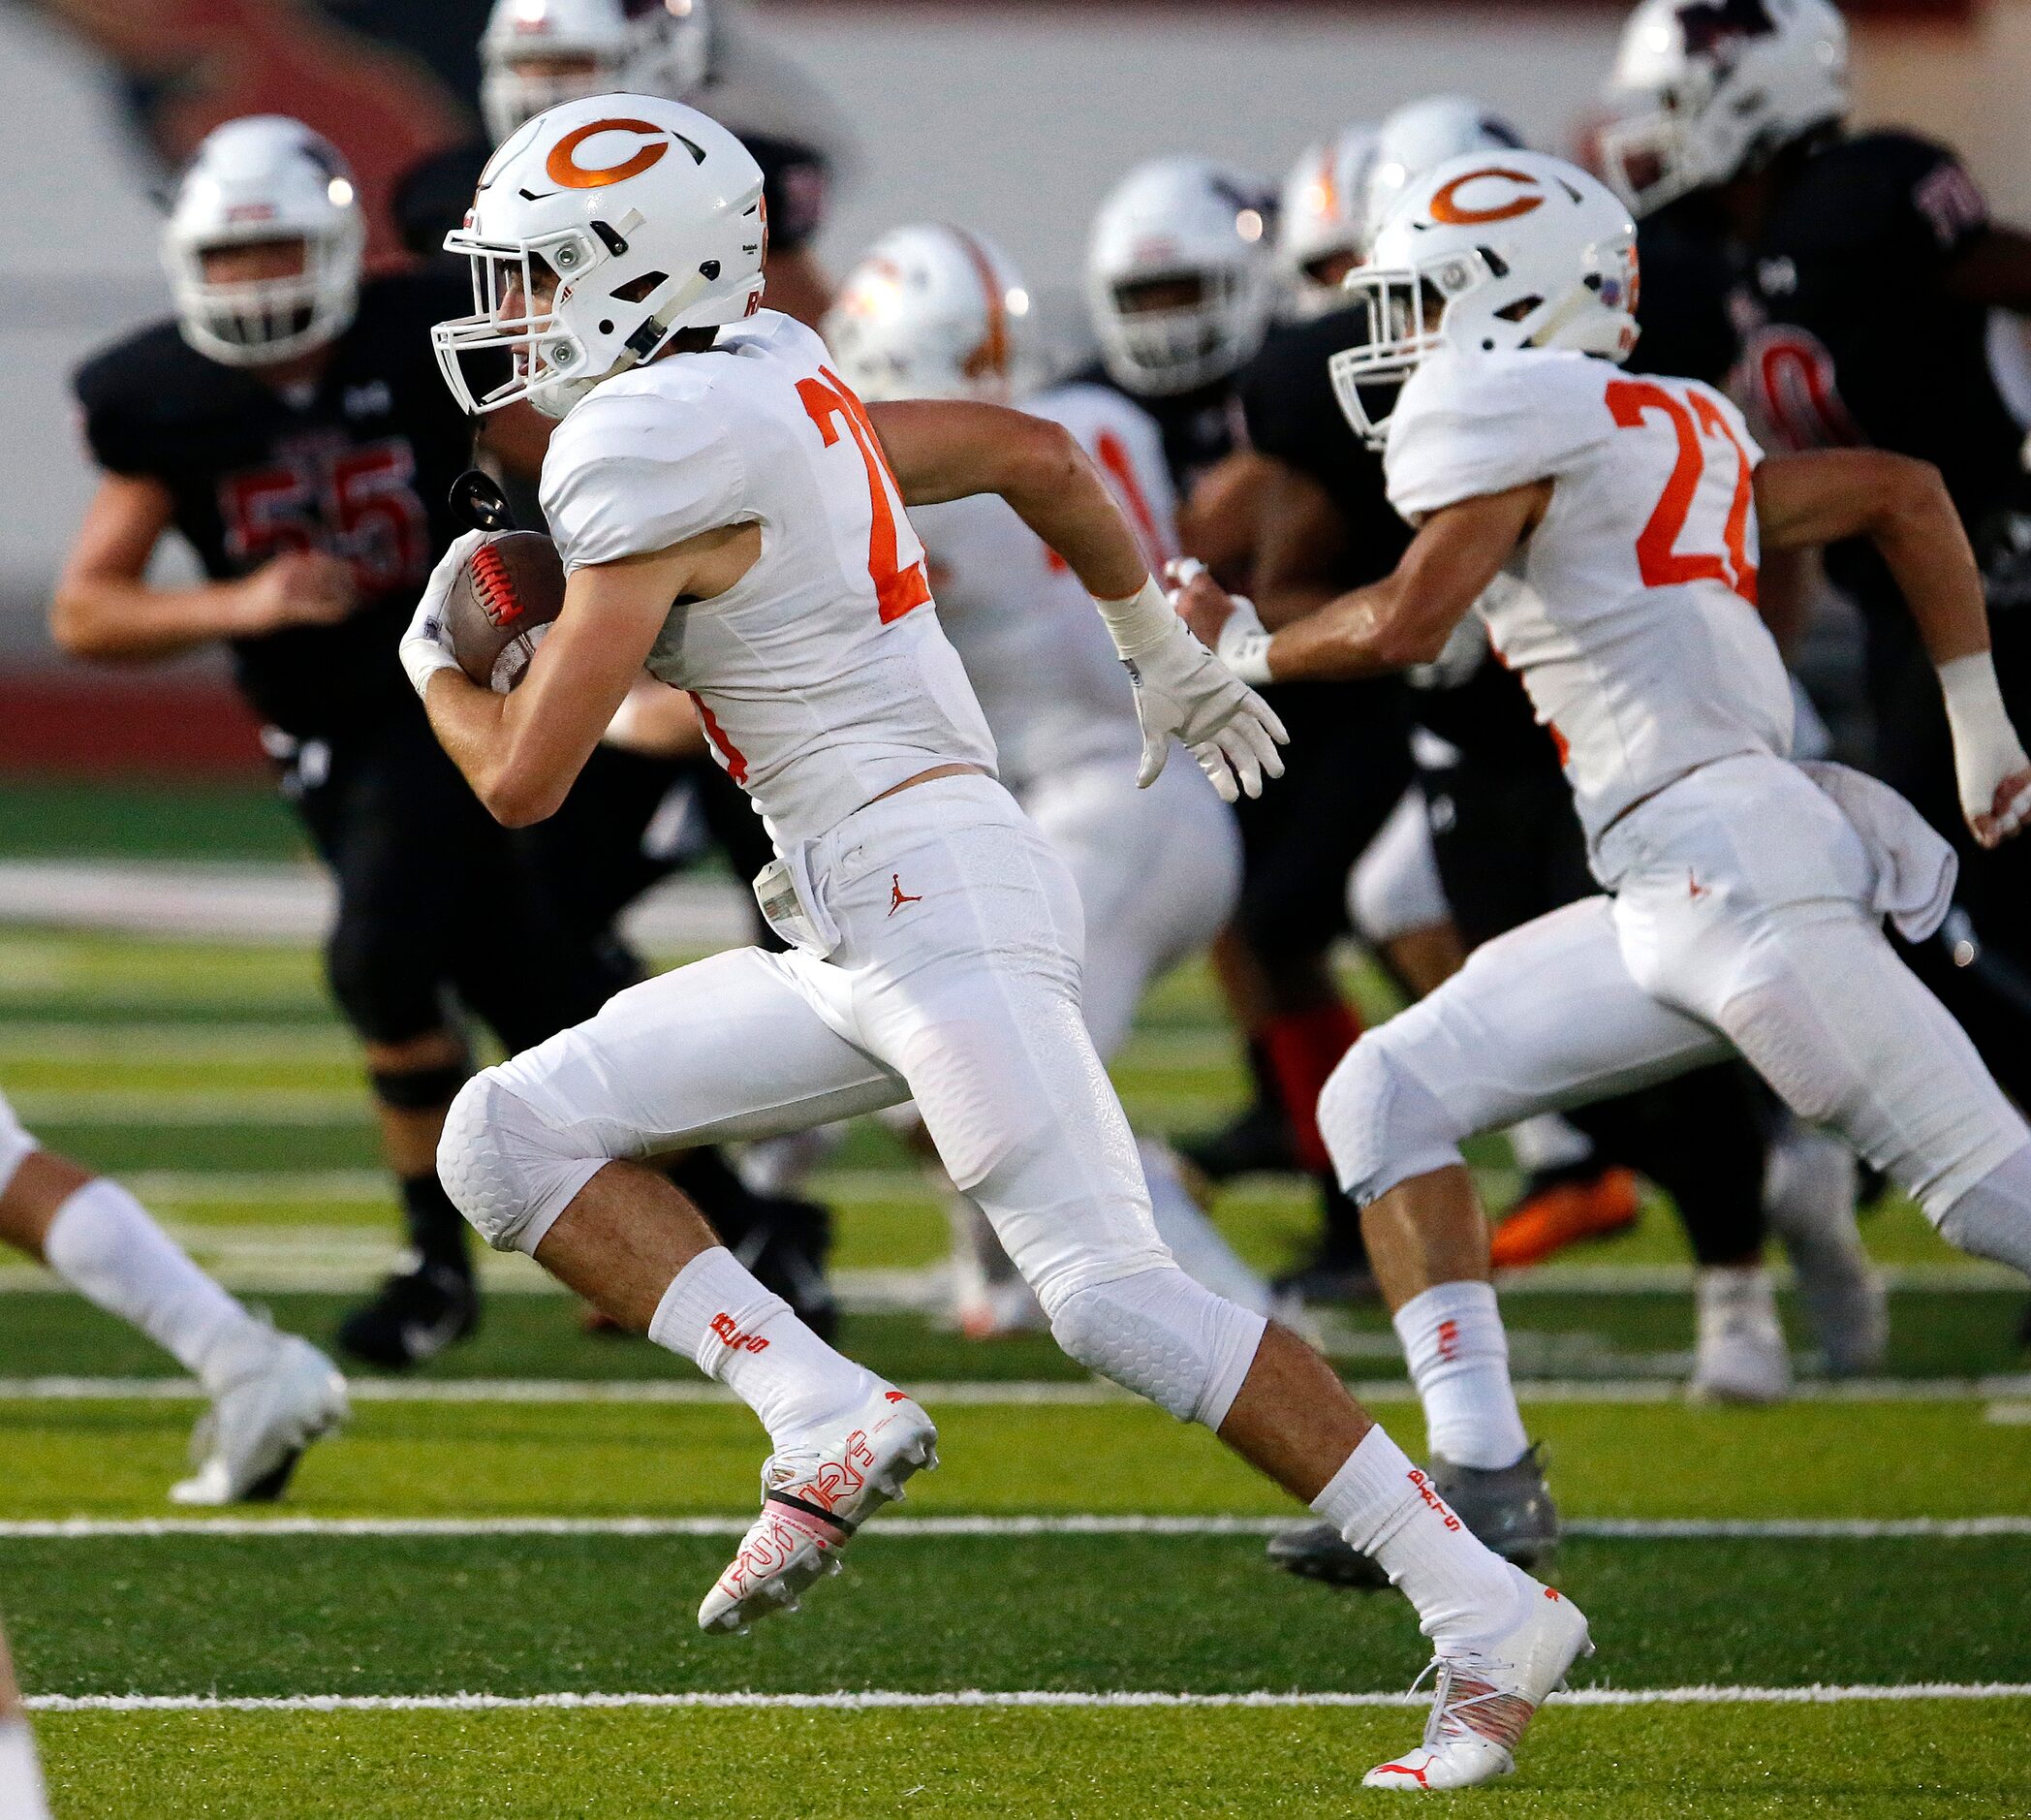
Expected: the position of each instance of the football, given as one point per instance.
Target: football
(502, 603)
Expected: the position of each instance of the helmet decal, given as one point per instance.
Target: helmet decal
(1447, 207)
(564, 168)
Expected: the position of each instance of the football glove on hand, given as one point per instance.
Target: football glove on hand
(1183, 689)
(427, 645)
(1989, 764)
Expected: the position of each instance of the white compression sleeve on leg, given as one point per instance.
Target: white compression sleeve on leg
(1387, 1508)
(1458, 1356)
(1993, 1218)
(104, 1244)
(22, 1796)
(718, 1316)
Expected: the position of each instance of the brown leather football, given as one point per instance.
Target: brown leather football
(500, 605)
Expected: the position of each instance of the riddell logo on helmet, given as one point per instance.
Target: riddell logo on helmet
(564, 168)
(1446, 206)
(733, 1338)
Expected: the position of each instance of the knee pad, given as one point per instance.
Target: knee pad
(1163, 1337)
(16, 1146)
(507, 1170)
(1381, 1124)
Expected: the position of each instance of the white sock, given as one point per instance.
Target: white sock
(1458, 1356)
(21, 1792)
(1199, 1247)
(718, 1316)
(1387, 1508)
(104, 1244)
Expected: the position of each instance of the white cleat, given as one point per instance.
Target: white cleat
(1486, 1695)
(814, 1496)
(1741, 1355)
(277, 1399)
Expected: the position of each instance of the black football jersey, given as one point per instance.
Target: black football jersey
(1851, 335)
(361, 466)
(433, 198)
(1682, 301)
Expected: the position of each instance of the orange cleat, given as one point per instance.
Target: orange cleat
(1541, 1223)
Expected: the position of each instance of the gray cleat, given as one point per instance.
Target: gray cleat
(1507, 1507)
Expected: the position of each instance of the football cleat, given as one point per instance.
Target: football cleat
(1739, 1356)
(1565, 1212)
(1487, 1694)
(277, 1399)
(814, 1494)
(1508, 1508)
(413, 1317)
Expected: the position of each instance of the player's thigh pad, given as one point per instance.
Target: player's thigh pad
(1157, 871)
(960, 929)
(1545, 1016)
(16, 1146)
(728, 1047)
(1161, 1334)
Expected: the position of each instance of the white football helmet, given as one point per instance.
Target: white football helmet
(931, 312)
(1179, 274)
(1704, 90)
(646, 217)
(1420, 137)
(1510, 249)
(1322, 223)
(625, 47)
(265, 177)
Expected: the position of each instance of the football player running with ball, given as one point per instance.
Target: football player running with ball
(731, 515)
(1744, 893)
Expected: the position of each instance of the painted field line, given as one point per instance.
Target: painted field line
(1015, 1394)
(882, 1699)
(930, 1529)
(2008, 1415)
(221, 1106)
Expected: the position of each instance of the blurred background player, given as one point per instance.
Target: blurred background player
(271, 1394)
(1180, 285)
(291, 424)
(22, 1796)
(937, 312)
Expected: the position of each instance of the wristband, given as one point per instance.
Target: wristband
(1248, 656)
(1140, 622)
(1974, 698)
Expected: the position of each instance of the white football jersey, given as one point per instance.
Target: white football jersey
(823, 676)
(1635, 630)
(1047, 673)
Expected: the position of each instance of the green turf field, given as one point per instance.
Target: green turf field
(483, 1557)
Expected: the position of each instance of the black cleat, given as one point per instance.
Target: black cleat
(1509, 1507)
(413, 1316)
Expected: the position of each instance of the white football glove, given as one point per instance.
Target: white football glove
(426, 646)
(1988, 752)
(1183, 691)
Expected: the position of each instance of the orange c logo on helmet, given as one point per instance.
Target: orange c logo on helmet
(1447, 207)
(565, 170)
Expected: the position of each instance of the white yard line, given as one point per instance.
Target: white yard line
(923, 1528)
(882, 1699)
(989, 1394)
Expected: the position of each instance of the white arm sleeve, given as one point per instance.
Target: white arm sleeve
(629, 475)
(1471, 425)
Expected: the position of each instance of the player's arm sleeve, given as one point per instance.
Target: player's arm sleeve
(630, 476)
(1468, 426)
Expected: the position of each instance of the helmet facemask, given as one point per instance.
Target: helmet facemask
(258, 322)
(1404, 311)
(1179, 343)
